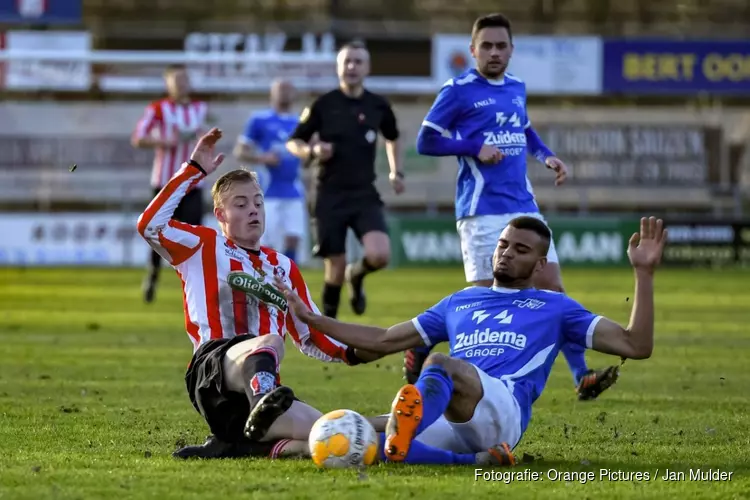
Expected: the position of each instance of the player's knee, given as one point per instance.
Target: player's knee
(274, 342)
(378, 259)
(437, 359)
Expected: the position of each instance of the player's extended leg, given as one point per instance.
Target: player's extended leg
(272, 235)
(370, 227)
(447, 387)
(215, 448)
(152, 277)
(334, 271)
(224, 379)
(252, 368)
(291, 243)
(294, 226)
(377, 247)
(330, 233)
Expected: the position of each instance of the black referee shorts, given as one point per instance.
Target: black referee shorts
(190, 209)
(335, 213)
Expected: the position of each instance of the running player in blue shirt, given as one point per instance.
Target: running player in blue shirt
(473, 406)
(264, 142)
(481, 118)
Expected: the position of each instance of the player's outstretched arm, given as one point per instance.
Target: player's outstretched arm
(636, 341)
(176, 241)
(374, 339)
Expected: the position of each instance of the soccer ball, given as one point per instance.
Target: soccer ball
(341, 439)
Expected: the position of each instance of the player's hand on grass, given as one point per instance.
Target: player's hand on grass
(646, 246)
(295, 303)
(559, 167)
(489, 155)
(205, 151)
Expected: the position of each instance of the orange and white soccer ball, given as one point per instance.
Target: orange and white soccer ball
(341, 439)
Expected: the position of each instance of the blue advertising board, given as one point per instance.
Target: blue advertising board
(49, 12)
(674, 66)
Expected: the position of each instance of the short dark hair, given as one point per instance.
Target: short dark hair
(354, 44)
(174, 68)
(491, 21)
(535, 225)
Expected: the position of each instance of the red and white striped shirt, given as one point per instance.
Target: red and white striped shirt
(203, 258)
(166, 120)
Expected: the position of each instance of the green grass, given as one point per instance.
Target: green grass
(92, 398)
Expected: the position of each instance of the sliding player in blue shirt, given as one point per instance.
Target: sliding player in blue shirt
(480, 117)
(473, 406)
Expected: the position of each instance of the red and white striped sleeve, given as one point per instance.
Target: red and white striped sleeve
(309, 340)
(173, 240)
(148, 121)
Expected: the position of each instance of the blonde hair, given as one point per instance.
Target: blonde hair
(226, 181)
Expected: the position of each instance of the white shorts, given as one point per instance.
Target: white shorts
(479, 236)
(496, 419)
(284, 217)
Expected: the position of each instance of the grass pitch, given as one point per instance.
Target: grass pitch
(92, 398)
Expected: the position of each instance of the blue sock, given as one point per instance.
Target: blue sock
(422, 454)
(291, 253)
(436, 388)
(576, 358)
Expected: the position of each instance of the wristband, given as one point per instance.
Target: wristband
(197, 165)
(352, 358)
(397, 175)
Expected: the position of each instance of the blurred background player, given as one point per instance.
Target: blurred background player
(170, 127)
(264, 142)
(481, 118)
(347, 121)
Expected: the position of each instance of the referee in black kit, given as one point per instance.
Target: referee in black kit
(347, 121)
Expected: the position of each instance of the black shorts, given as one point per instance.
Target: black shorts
(224, 411)
(190, 209)
(333, 214)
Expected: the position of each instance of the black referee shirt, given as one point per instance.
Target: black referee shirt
(351, 125)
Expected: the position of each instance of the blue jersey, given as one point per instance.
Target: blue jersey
(471, 107)
(511, 335)
(268, 131)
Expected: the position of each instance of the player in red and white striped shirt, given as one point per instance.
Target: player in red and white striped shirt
(170, 127)
(238, 340)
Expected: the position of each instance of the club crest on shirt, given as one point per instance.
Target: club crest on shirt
(305, 115)
(370, 136)
(279, 272)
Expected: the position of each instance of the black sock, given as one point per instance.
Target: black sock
(259, 374)
(362, 269)
(331, 298)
